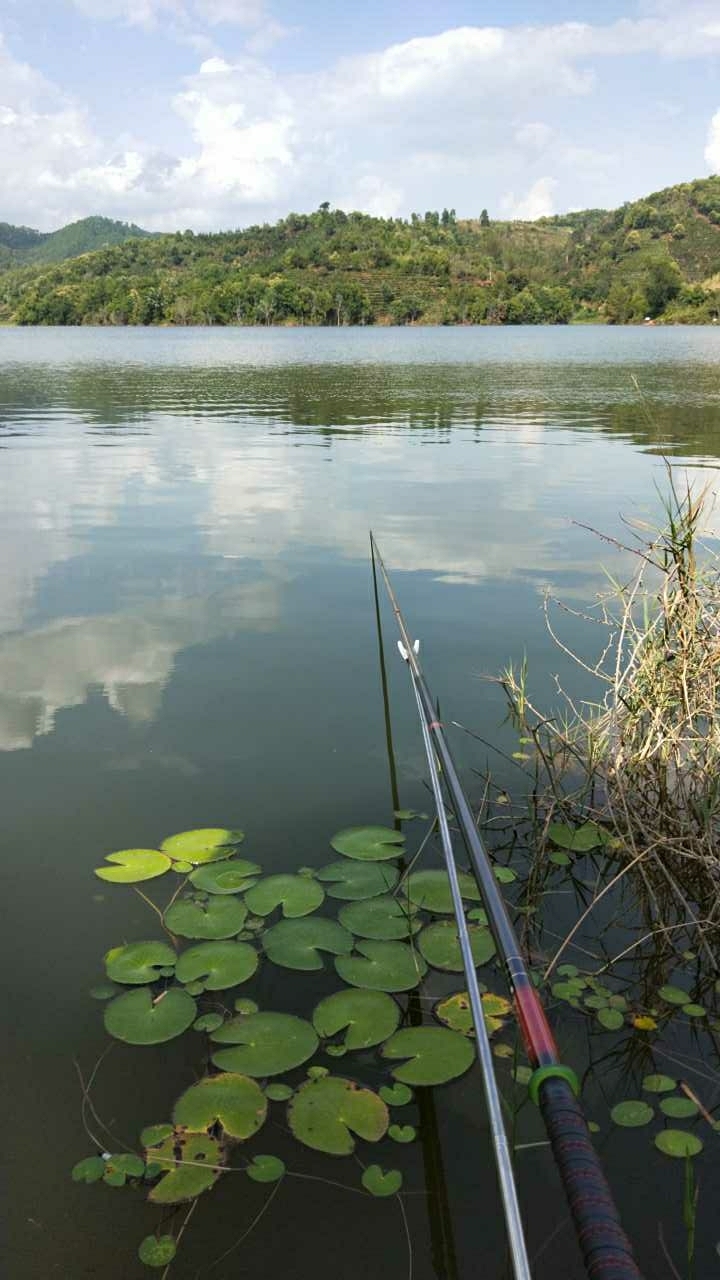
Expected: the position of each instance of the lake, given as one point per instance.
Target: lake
(188, 639)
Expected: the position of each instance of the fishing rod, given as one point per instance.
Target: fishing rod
(553, 1086)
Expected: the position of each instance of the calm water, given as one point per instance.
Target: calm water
(187, 639)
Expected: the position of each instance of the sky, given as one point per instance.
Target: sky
(215, 114)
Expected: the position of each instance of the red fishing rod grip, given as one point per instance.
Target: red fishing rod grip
(606, 1249)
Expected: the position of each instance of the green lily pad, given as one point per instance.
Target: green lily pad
(383, 918)
(186, 1158)
(121, 1167)
(632, 1114)
(440, 945)
(219, 917)
(91, 1169)
(208, 1022)
(431, 890)
(407, 815)
(658, 1084)
(244, 1005)
(673, 995)
(596, 1002)
(396, 1095)
(402, 1132)
(298, 944)
(264, 1044)
(233, 876)
(218, 964)
(104, 991)
(278, 1092)
(335, 1050)
(138, 962)
(382, 966)
(679, 1108)
(433, 1055)
(157, 1251)
(610, 1019)
(694, 1010)
(578, 839)
(355, 881)
(381, 1182)
(266, 1169)
(137, 1018)
(678, 1143)
(235, 1102)
(369, 844)
(297, 895)
(182, 868)
(325, 1113)
(207, 844)
(504, 875)
(370, 1017)
(155, 1134)
(559, 858)
(134, 865)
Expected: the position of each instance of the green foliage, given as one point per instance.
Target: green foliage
(328, 1113)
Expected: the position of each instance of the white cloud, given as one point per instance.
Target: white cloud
(534, 135)
(712, 150)
(148, 13)
(536, 203)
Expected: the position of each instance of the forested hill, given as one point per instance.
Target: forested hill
(658, 258)
(20, 245)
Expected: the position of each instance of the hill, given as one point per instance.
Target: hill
(23, 244)
(658, 257)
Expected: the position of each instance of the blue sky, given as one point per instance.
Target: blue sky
(218, 113)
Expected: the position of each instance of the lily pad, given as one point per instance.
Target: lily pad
(155, 1134)
(381, 1182)
(433, 1055)
(382, 918)
(325, 1114)
(219, 965)
(355, 881)
(245, 1005)
(91, 1169)
(610, 1019)
(264, 1044)
(673, 995)
(121, 1167)
(297, 895)
(382, 966)
(694, 1010)
(402, 1132)
(504, 875)
(138, 962)
(440, 945)
(207, 844)
(396, 1095)
(278, 1092)
(578, 839)
(369, 844)
(104, 991)
(234, 876)
(134, 865)
(678, 1143)
(137, 1018)
(187, 1158)
(456, 1013)
(266, 1169)
(679, 1108)
(157, 1251)
(658, 1084)
(219, 917)
(431, 890)
(235, 1102)
(298, 944)
(632, 1113)
(208, 1022)
(370, 1017)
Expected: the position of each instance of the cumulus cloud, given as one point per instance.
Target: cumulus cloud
(712, 150)
(536, 203)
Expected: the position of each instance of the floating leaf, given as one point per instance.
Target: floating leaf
(383, 918)
(694, 1010)
(396, 1095)
(479, 914)
(567, 971)
(504, 875)
(370, 1017)
(317, 1073)
(456, 1013)
(157, 1251)
(91, 1169)
(503, 1051)
(679, 1108)
(208, 844)
(368, 844)
(355, 881)
(559, 858)
(208, 1022)
(264, 1044)
(278, 1092)
(382, 966)
(335, 1050)
(138, 1019)
(325, 1114)
(298, 944)
(678, 1142)
(440, 945)
(643, 1022)
(134, 865)
(186, 1158)
(155, 1134)
(431, 890)
(138, 962)
(218, 964)
(522, 1075)
(578, 839)
(402, 1132)
(297, 895)
(121, 1167)
(658, 1084)
(235, 1102)
(596, 1002)
(673, 995)
(381, 1183)
(610, 1019)
(244, 1005)
(434, 1055)
(632, 1114)
(104, 991)
(233, 876)
(265, 1169)
(194, 988)
(407, 815)
(219, 917)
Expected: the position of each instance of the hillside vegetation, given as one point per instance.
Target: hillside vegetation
(657, 258)
(21, 244)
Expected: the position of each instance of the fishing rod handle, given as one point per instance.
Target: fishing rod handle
(605, 1247)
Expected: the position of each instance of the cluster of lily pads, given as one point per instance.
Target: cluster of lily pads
(223, 922)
